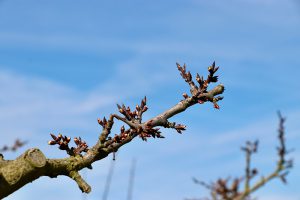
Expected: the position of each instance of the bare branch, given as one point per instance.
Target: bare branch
(222, 190)
(84, 187)
(17, 173)
(249, 149)
(282, 168)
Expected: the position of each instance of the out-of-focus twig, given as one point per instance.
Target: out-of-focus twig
(108, 180)
(227, 189)
(18, 144)
(131, 180)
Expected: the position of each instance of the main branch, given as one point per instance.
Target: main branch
(32, 164)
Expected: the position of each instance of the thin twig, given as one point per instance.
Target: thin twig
(222, 190)
(18, 144)
(108, 180)
(131, 180)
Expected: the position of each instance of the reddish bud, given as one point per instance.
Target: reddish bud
(76, 140)
(145, 108)
(53, 136)
(185, 95)
(137, 108)
(216, 106)
(122, 129)
(51, 142)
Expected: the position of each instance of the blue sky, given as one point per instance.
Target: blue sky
(65, 63)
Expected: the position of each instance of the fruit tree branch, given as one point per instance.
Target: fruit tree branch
(32, 164)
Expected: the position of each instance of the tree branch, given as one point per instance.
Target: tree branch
(31, 165)
(282, 168)
(221, 190)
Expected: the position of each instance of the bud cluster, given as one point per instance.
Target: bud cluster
(186, 75)
(251, 147)
(143, 134)
(150, 132)
(63, 143)
(223, 188)
(198, 91)
(180, 127)
(103, 122)
(203, 84)
(122, 136)
(81, 146)
(135, 114)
